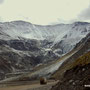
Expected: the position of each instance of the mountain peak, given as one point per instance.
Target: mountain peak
(20, 22)
(80, 23)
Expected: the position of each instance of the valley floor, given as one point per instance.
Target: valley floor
(35, 85)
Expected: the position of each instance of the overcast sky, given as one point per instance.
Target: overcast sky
(45, 11)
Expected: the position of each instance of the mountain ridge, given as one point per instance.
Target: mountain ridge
(30, 45)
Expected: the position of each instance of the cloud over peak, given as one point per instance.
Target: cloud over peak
(85, 14)
(1, 1)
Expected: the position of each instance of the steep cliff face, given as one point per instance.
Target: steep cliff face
(24, 45)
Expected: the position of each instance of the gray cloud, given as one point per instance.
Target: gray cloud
(1, 1)
(85, 15)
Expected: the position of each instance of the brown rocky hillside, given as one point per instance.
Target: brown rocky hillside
(77, 76)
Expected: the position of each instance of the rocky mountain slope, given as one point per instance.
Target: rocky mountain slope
(84, 47)
(75, 71)
(78, 76)
(24, 45)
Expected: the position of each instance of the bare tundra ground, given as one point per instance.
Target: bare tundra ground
(31, 86)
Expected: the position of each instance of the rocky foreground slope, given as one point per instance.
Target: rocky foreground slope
(24, 45)
(74, 74)
(78, 76)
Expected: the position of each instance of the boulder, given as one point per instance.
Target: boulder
(43, 80)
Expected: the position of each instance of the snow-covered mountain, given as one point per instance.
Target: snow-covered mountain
(23, 29)
(66, 34)
(24, 45)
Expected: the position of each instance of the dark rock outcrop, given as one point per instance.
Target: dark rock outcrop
(75, 79)
(43, 80)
